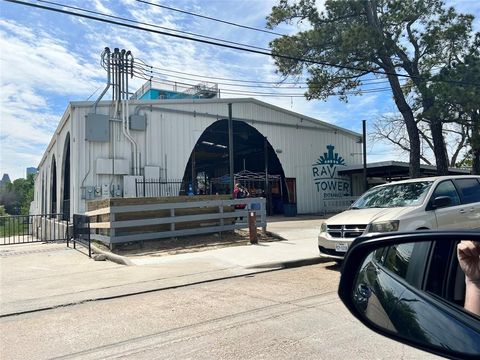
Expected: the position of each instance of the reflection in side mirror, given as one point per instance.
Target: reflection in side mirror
(415, 291)
(442, 201)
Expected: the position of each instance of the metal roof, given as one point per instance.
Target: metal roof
(397, 170)
(166, 102)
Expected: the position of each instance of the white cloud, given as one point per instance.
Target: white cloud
(45, 64)
(100, 7)
(35, 66)
(25, 128)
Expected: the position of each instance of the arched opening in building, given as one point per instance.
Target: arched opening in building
(66, 180)
(53, 187)
(252, 153)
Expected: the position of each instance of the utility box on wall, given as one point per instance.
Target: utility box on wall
(138, 122)
(129, 185)
(97, 127)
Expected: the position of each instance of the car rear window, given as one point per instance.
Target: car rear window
(469, 190)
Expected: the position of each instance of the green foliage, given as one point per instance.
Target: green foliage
(416, 34)
(461, 103)
(416, 37)
(16, 197)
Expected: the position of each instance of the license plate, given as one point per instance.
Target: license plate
(341, 247)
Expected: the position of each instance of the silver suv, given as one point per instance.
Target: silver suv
(444, 202)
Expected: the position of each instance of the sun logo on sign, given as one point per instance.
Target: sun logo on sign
(330, 158)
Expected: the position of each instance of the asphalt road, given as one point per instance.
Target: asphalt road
(286, 314)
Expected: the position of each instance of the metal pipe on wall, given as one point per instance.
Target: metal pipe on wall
(105, 52)
(129, 66)
(124, 102)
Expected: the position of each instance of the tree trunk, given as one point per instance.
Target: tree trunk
(476, 162)
(439, 149)
(436, 128)
(475, 143)
(402, 105)
(412, 129)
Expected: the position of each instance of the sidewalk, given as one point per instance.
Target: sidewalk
(43, 276)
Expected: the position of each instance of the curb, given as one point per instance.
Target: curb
(259, 269)
(125, 261)
(134, 293)
(290, 264)
(112, 257)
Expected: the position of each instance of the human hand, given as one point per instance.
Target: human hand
(468, 253)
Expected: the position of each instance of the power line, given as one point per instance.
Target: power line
(142, 75)
(147, 24)
(246, 48)
(148, 72)
(364, 81)
(211, 18)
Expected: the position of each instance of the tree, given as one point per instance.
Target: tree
(17, 196)
(391, 127)
(408, 37)
(8, 198)
(461, 104)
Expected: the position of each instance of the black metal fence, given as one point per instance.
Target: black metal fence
(159, 188)
(66, 209)
(81, 233)
(20, 229)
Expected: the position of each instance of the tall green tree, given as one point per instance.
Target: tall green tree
(461, 104)
(17, 196)
(407, 37)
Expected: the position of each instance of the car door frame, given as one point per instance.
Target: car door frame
(354, 260)
(471, 209)
(453, 211)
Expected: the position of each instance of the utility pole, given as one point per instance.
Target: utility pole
(365, 181)
(230, 148)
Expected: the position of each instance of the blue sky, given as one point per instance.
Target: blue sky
(49, 59)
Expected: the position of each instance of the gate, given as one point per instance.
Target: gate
(21, 229)
(81, 232)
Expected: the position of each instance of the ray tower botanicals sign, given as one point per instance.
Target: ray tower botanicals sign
(326, 178)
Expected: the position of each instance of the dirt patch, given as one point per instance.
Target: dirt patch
(189, 244)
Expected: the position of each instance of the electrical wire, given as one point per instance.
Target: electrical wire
(148, 24)
(364, 81)
(241, 85)
(142, 75)
(245, 48)
(211, 18)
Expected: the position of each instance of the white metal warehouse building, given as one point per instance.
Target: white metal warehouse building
(97, 152)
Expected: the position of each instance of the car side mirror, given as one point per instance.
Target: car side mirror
(390, 283)
(441, 201)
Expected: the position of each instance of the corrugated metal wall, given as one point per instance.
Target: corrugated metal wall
(174, 127)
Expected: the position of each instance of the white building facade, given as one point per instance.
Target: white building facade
(98, 150)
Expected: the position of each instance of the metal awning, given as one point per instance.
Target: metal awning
(396, 170)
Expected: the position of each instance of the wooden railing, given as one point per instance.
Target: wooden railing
(338, 204)
(118, 220)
